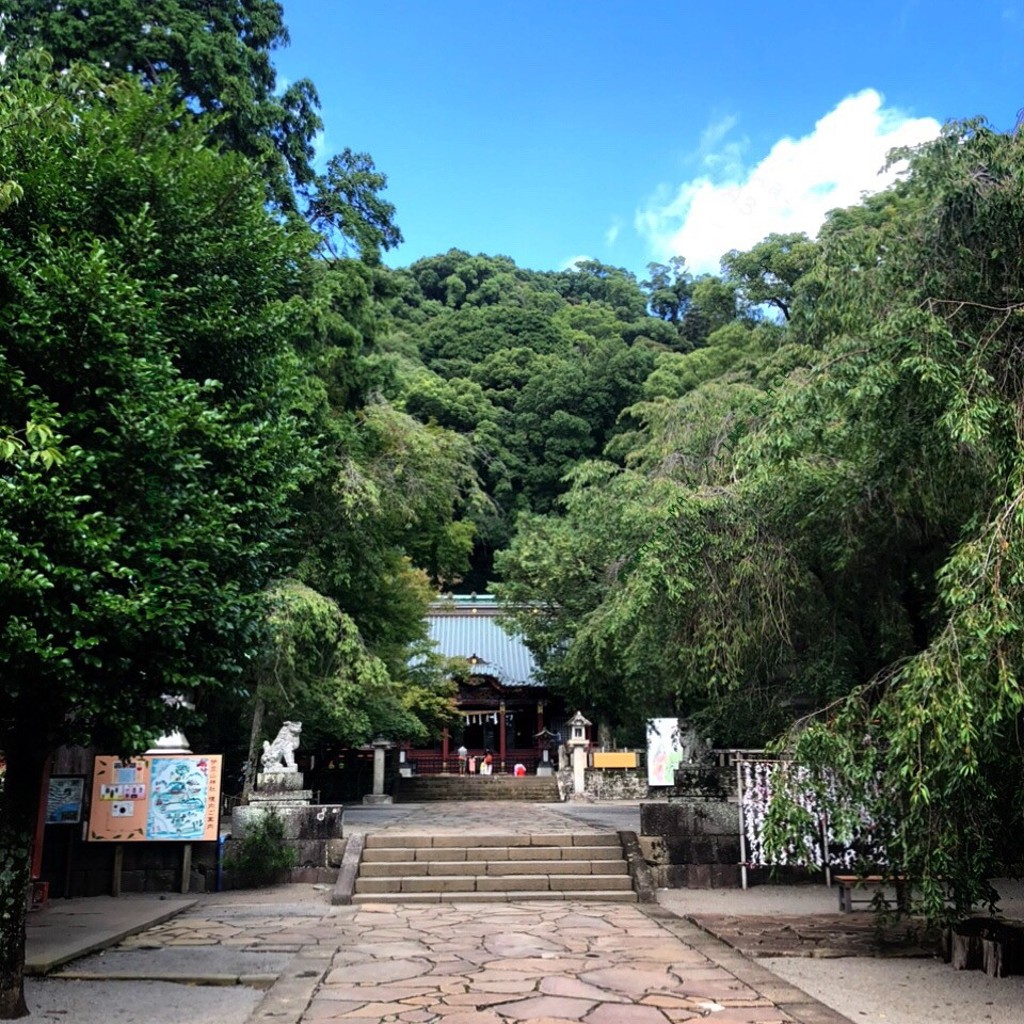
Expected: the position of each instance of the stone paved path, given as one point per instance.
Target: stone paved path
(490, 816)
(536, 962)
(543, 963)
(601, 964)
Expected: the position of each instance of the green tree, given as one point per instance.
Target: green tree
(148, 451)
(768, 274)
(217, 56)
(669, 289)
(314, 667)
(927, 375)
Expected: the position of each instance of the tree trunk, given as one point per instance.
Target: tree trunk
(254, 739)
(19, 804)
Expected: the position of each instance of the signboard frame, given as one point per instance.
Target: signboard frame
(156, 798)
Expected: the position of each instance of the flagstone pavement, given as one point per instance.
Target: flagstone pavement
(576, 962)
(543, 963)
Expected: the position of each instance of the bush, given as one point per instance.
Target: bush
(262, 855)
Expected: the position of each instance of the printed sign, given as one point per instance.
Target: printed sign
(664, 751)
(158, 797)
(64, 799)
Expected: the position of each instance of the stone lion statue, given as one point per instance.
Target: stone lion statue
(279, 756)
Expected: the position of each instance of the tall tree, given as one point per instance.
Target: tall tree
(216, 55)
(149, 452)
(767, 274)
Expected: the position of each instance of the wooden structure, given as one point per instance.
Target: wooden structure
(503, 707)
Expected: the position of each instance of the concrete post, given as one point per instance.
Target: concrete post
(378, 796)
(579, 770)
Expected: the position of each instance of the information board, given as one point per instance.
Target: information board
(159, 797)
(64, 799)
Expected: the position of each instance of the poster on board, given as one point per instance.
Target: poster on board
(664, 751)
(64, 795)
(160, 797)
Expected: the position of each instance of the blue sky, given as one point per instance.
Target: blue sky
(550, 130)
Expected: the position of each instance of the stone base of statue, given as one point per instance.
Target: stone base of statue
(377, 798)
(316, 831)
(281, 788)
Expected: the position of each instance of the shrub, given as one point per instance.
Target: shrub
(262, 855)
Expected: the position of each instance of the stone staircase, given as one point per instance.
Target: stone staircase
(540, 788)
(468, 868)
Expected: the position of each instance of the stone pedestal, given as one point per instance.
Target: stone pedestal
(280, 788)
(315, 830)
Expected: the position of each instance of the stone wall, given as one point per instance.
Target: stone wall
(692, 840)
(692, 844)
(616, 784)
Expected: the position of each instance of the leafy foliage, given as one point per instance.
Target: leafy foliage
(150, 455)
(262, 856)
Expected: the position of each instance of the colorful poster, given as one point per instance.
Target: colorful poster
(167, 797)
(64, 799)
(664, 751)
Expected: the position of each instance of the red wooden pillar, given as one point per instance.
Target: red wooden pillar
(444, 751)
(540, 723)
(501, 735)
(40, 832)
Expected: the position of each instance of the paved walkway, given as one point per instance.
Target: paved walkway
(455, 963)
(305, 962)
(491, 816)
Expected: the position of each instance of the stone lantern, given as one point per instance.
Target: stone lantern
(578, 743)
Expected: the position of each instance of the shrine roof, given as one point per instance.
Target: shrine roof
(470, 627)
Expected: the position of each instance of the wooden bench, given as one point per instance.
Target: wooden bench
(848, 883)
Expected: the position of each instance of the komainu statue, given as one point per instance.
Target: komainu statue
(279, 756)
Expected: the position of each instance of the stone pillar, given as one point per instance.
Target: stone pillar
(378, 796)
(579, 770)
(501, 735)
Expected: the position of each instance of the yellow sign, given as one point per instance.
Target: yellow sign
(614, 758)
(161, 797)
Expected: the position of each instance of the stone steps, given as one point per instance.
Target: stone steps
(450, 869)
(422, 788)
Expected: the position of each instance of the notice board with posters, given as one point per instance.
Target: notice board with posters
(159, 797)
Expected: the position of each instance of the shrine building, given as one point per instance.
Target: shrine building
(502, 706)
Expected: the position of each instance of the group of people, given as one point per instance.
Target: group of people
(469, 763)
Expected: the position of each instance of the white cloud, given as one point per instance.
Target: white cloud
(570, 263)
(320, 152)
(612, 234)
(732, 205)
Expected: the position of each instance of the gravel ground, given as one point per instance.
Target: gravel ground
(904, 991)
(871, 989)
(128, 1002)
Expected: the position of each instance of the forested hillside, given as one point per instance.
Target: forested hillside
(239, 454)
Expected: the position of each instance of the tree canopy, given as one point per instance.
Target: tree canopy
(820, 514)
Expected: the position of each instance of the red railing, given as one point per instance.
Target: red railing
(427, 762)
